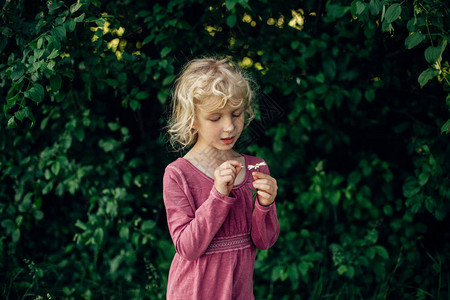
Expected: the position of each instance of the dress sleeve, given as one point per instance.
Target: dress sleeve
(265, 226)
(192, 229)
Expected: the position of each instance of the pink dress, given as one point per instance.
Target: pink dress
(215, 236)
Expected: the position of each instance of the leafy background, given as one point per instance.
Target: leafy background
(353, 122)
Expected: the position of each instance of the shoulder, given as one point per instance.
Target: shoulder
(176, 169)
(252, 160)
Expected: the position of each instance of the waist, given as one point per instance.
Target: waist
(229, 243)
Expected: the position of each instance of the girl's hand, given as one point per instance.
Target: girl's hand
(267, 188)
(224, 176)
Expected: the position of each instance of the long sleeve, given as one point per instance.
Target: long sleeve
(192, 229)
(265, 226)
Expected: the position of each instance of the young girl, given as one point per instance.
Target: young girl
(214, 220)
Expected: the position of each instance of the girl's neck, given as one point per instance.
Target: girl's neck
(212, 156)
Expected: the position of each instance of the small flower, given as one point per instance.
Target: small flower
(256, 167)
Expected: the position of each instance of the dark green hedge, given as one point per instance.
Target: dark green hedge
(353, 122)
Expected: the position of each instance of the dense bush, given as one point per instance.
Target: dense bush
(352, 120)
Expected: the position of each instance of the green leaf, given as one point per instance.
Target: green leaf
(303, 267)
(393, 12)
(98, 236)
(342, 269)
(126, 177)
(410, 188)
(293, 273)
(107, 145)
(148, 225)
(305, 121)
(36, 93)
(369, 94)
(168, 80)
(350, 272)
(59, 32)
(47, 189)
(335, 197)
(79, 133)
(80, 225)
(426, 75)
(24, 113)
(16, 235)
(53, 54)
(423, 178)
(163, 95)
(80, 18)
(336, 11)
(9, 225)
(414, 39)
(135, 105)
(55, 82)
(124, 232)
(39, 43)
(432, 54)
(142, 95)
(70, 25)
(446, 127)
(276, 272)
(360, 7)
(17, 73)
(112, 82)
(375, 7)
(231, 20)
(165, 51)
(312, 256)
(230, 4)
(75, 7)
(54, 5)
(38, 53)
(114, 264)
(56, 166)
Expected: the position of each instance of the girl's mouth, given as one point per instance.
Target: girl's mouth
(227, 141)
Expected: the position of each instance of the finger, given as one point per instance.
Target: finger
(237, 165)
(229, 179)
(234, 163)
(226, 172)
(270, 181)
(264, 195)
(257, 175)
(238, 169)
(263, 187)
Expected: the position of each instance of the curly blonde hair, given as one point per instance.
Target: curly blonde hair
(209, 84)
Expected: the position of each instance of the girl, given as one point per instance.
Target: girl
(214, 220)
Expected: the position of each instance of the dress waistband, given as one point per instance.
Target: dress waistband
(229, 243)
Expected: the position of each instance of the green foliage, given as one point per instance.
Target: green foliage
(352, 122)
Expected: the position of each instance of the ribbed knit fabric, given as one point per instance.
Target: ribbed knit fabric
(214, 255)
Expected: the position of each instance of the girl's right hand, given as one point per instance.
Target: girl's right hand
(224, 176)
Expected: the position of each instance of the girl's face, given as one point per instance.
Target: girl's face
(219, 129)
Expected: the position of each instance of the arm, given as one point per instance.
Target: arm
(192, 230)
(265, 226)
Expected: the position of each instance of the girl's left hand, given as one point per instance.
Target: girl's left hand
(267, 188)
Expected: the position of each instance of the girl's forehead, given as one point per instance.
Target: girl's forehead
(226, 109)
(218, 105)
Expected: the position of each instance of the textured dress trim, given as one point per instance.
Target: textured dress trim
(229, 243)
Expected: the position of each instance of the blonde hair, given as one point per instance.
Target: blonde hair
(208, 84)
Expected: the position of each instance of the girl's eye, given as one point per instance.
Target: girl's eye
(215, 120)
(237, 115)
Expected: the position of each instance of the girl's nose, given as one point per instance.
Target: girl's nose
(229, 126)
